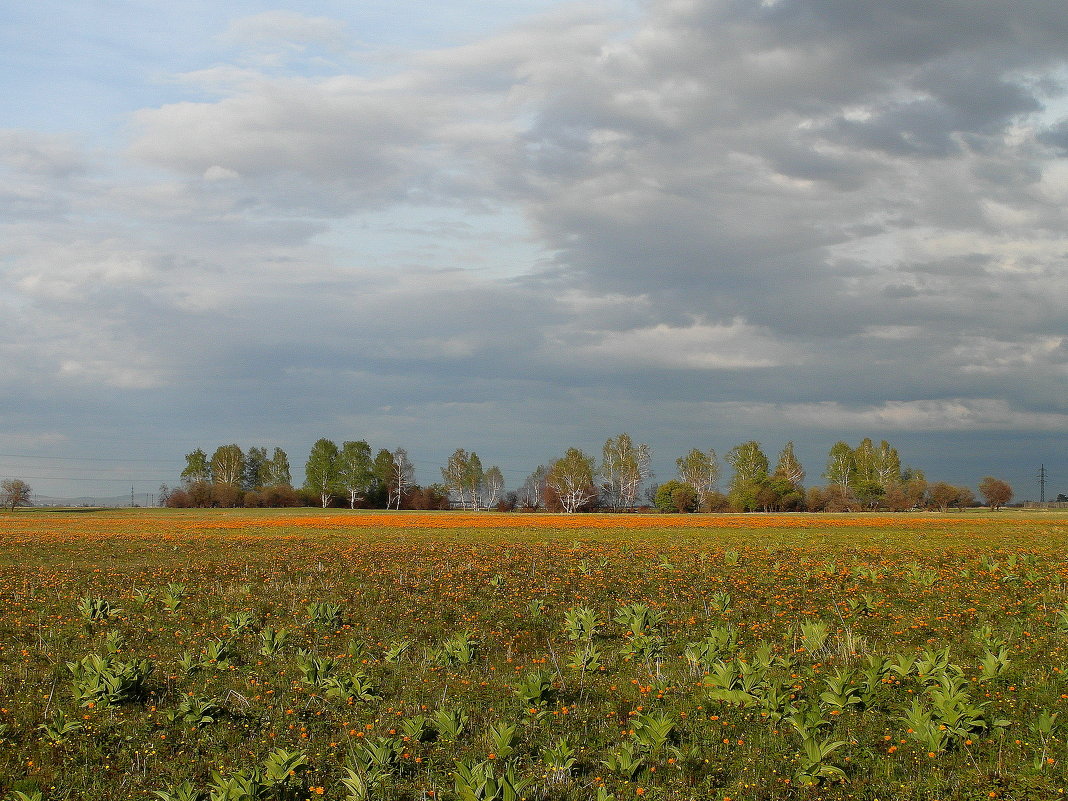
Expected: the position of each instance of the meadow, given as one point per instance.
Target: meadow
(295, 654)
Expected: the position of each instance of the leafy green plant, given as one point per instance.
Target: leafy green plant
(993, 664)
(114, 642)
(185, 791)
(450, 723)
(639, 619)
(624, 760)
(581, 623)
(654, 731)
(315, 671)
(481, 781)
(239, 622)
(815, 767)
(419, 728)
(325, 615)
(502, 738)
(353, 687)
(195, 712)
(842, 691)
(395, 650)
(96, 610)
(586, 657)
(272, 641)
(172, 596)
(459, 649)
(219, 654)
(106, 681)
(281, 767)
(559, 759)
(535, 689)
(60, 727)
(644, 647)
(814, 635)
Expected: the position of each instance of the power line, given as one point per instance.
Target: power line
(85, 458)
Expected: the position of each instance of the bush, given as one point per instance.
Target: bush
(675, 496)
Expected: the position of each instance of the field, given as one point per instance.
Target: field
(301, 654)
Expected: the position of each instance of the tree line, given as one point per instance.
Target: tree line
(855, 478)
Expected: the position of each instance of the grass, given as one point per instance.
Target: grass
(669, 657)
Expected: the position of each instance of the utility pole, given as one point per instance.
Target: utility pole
(1042, 484)
(131, 498)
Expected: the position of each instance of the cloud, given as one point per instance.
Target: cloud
(952, 415)
(703, 214)
(278, 31)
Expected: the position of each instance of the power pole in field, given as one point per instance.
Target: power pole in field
(1042, 484)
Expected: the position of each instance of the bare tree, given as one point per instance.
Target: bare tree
(15, 492)
(493, 486)
(624, 466)
(403, 476)
(533, 489)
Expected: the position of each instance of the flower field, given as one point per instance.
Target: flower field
(292, 654)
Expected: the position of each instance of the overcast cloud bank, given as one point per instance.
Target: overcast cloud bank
(698, 221)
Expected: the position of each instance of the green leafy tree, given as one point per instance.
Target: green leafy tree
(865, 463)
(383, 469)
(675, 496)
(571, 481)
(321, 474)
(492, 486)
(701, 471)
(463, 475)
(750, 465)
(197, 469)
(888, 466)
(278, 472)
(256, 469)
(789, 467)
(841, 465)
(355, 470)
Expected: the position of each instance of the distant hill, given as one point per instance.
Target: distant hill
(89, 500)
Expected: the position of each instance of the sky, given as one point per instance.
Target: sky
(527, 225)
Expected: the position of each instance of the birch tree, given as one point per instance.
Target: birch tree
(321, 471)
(462, 476)
(750, 465)
(492, 486)
(228, 466)
(701, 471)
(532, 493)
(789, 467)
(354, 468)
(197, 470)
(840, 465)
(278, 472)
(571, 478)
(403, 477)
(624, 466)
(888, 465)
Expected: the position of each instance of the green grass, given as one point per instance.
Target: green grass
(717, 698)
